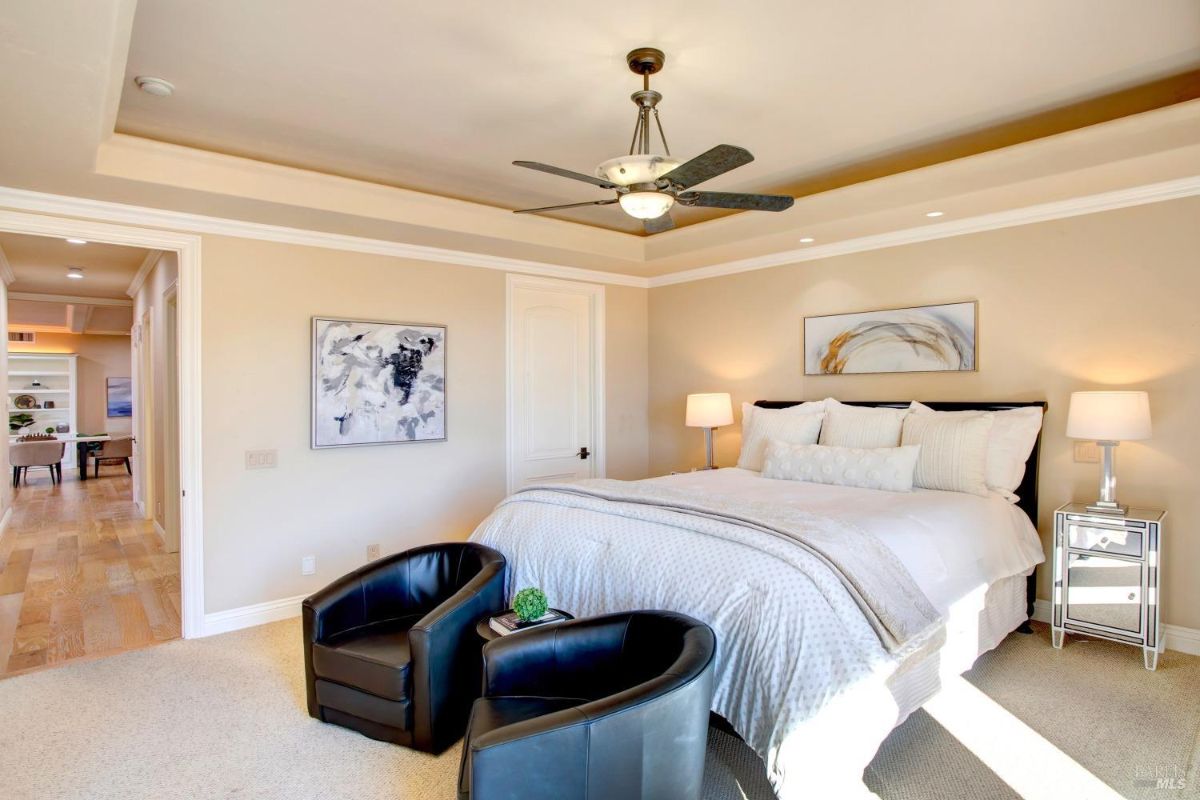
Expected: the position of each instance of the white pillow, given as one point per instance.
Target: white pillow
(767, 424)
(953, 451)
(1014, 433)
(861, 426)
(887, 468)
(811, 407)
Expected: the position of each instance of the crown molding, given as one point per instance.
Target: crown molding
(143, 272)
(40, 202)
(6, 270)
(70, 299)
(1043, 212)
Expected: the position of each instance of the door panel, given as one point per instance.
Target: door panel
(552, 380)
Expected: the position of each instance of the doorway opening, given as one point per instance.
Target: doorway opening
(90, 543)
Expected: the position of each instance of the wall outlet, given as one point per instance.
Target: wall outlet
(262, 459)
(372, 552)
(308, 565)
(1087, 453)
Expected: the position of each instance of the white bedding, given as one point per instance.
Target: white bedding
(800, 674)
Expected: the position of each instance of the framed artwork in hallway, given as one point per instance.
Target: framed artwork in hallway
(377, 382)
(120, 397)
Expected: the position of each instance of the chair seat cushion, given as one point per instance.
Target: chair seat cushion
(490, 713)
(373, 658)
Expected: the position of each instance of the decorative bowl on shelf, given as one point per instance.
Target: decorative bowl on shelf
(24, 401)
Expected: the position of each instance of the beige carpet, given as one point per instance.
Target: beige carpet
(224, 718)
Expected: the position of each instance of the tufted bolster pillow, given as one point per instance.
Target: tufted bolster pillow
(888, 468)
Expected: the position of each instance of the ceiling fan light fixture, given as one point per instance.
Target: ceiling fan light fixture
(646, 205)
(631, 169)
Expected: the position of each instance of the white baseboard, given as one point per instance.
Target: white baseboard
(1175, 637)
(248, 616)
(4, 520)
(162, 534)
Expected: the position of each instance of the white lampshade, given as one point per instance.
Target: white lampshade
(646, 205)
(709, 410)
(1109, 416)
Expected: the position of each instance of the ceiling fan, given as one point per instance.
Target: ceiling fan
(648, 184)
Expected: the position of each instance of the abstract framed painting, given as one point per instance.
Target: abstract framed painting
(119, 397)
(377, 382)
(937, 338)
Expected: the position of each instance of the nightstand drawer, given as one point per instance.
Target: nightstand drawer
(1117, 539)
(1105, 591)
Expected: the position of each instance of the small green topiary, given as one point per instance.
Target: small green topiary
(530, 604)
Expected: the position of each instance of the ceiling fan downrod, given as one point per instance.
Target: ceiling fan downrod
(646, 61)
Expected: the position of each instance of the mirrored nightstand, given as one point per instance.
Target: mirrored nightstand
(1107, 572)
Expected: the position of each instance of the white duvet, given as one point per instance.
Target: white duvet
(800, 674)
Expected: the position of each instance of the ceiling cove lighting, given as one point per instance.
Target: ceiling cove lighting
(75, 273)
(76, 241)
(934, 213)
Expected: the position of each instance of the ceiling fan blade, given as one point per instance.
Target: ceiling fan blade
(566, 173)
(568, 205)
(746, 202)
(659, 224)
(716, 161)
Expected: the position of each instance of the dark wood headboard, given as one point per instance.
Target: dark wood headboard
(1027, 491)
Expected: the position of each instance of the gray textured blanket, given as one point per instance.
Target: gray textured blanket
(886, 593)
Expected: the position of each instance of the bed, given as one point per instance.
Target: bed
(803, 674)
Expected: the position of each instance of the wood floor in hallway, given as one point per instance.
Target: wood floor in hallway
(81, 574)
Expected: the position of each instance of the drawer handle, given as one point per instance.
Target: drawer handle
(1132, 596)
(1103, 540)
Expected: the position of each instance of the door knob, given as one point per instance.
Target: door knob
(583, 453)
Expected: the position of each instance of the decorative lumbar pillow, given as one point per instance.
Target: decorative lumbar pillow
(861, 426)
(887, 468)
(767, 424)
(1014, 433)
(953, 451)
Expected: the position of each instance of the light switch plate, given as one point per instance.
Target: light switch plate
(262, 459)
(372, 552)
(308, 565)
(1087, 453)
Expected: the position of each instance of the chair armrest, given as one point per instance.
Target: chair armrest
(445, 651)
(557, 743)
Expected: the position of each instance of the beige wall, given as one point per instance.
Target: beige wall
(149, 304)
(258, 300)
(1096, 301)
(100, 358)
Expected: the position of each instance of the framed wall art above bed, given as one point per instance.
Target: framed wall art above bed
(938, 338)
(377, 382)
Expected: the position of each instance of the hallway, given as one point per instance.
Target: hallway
(82, 575)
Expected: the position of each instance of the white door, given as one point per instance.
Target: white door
(171, 428)
(554, 381)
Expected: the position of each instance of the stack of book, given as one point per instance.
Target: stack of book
(509, 622)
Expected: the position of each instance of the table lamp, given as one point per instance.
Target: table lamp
(709, 411)
(1109, 418)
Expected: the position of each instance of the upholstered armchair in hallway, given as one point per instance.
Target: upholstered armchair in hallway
(40, 452)
(114, 451)
(612, 706)
(390, 650)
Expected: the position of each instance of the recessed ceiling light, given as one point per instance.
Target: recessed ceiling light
(807, 240)
(76, 241)
(155, 86)
(934, 213)
(75, 273)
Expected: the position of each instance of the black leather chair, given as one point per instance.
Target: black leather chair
(390, 650)
(601, 707)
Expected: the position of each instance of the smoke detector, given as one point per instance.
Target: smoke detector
(155, 86)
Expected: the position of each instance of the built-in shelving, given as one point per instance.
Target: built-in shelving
(55, 376)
